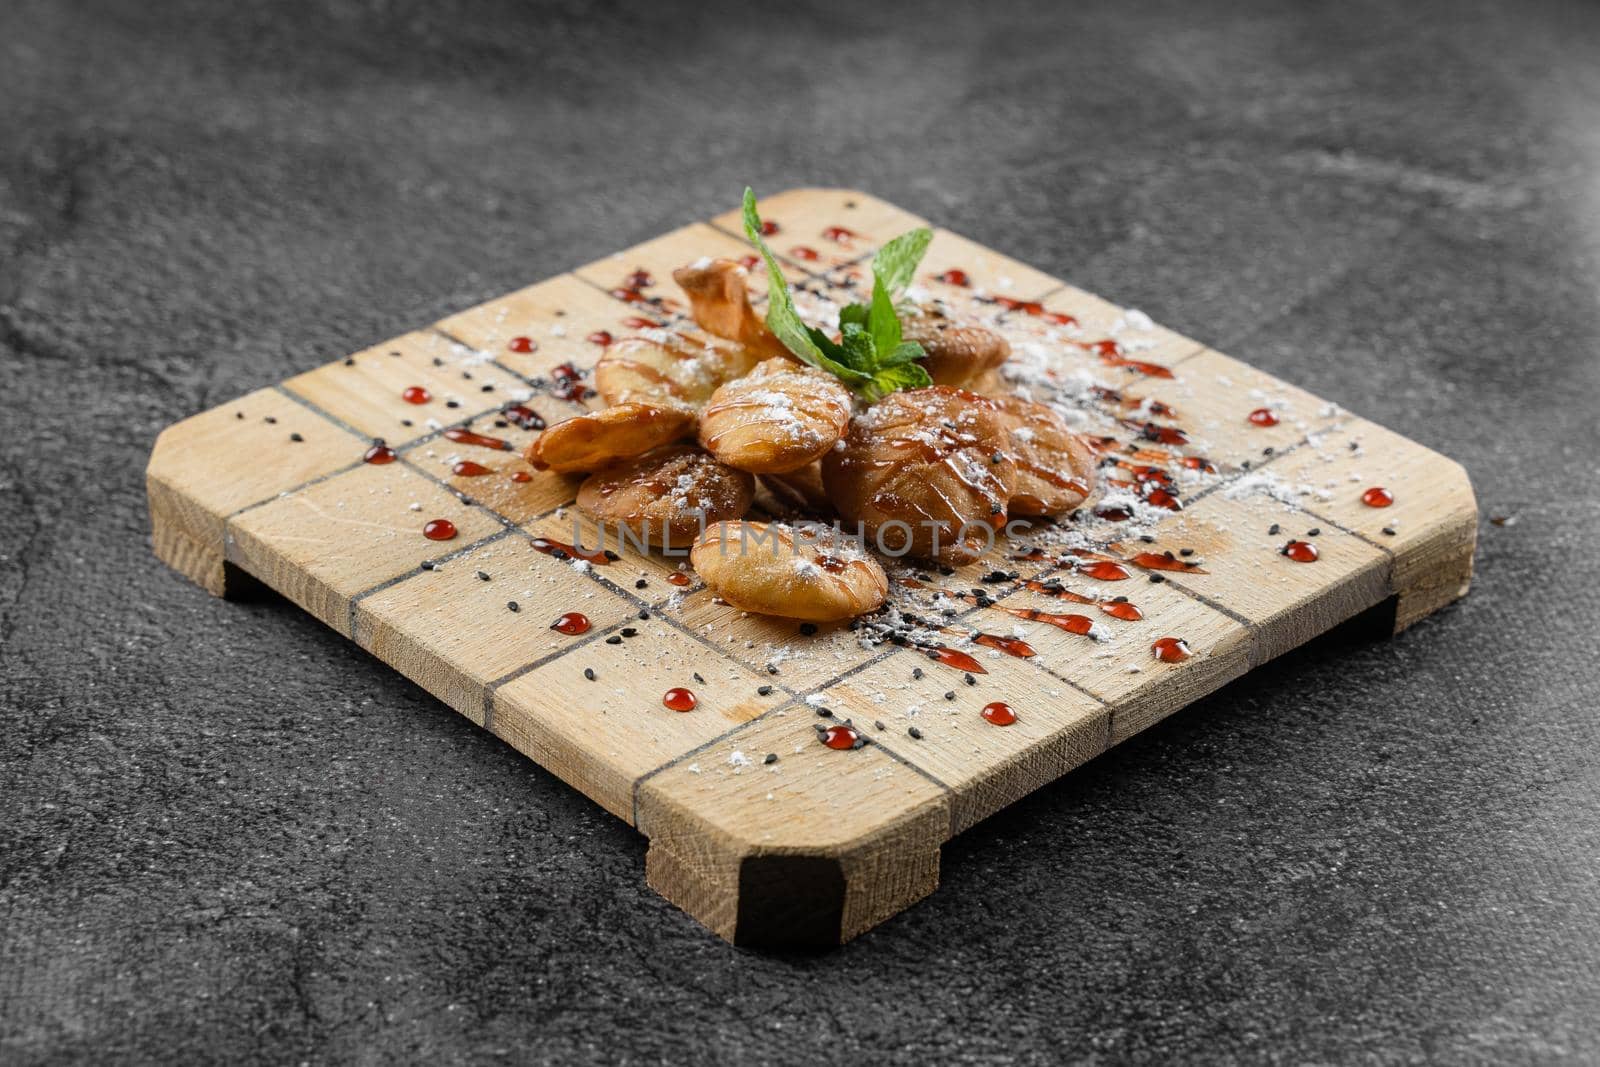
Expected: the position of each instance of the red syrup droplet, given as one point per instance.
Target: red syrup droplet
(1113, 514)
(521, 476)
(1163, 498)
(768, 227)
(467, 437)
(568, 381)
(1105, 570)
(954, 276)
(639, 279)
(951, 658)
(639, 322)
(1300, 551)
(1011, 646)
(678, 578)
(1170, 650)
(1157, 561)
(561, 550)
(439, 530)
(1263, 417)
(1059, 318)
(1199, 463)
(679, 699)
(572, 624)
(810, 255)
(841, 737)
(838, 235)
(415, 394)
(379, 454)
(601, 338)
(522, 344)
(1121, 609)
(523, 417)
(468, 469)
(1154, 431)
(1377, 497)
(999, 713)
(1073, 624)
(749, 262)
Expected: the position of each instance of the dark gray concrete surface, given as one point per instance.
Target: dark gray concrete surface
(228, 835)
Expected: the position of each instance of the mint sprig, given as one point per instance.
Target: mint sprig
(870, 357)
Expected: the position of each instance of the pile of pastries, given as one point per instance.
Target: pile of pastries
(690, 425)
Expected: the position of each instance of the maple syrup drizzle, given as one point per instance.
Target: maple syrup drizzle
(1154, 431)
(999, 713)
(379, 454)
(523, 344)
(1111, 354)
(1160, 561)
(679, 579)
(841, 736)
(1073, 624)
(521, 476)
(952, 658)
(467, 437)
(439, 530)
(550, 546)
(1104, 570)
(1377, 497)
(1116, 396)
(1300, 551)
(523, 417)
(572, 624)
(679, 699)
(415, 394)
(1011, 646)
(1263, 417)
(1170, 650)
(467, 469)
(954, 276)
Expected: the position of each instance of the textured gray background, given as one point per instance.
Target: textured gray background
(227, 833)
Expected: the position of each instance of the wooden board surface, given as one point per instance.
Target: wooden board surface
(818, 844)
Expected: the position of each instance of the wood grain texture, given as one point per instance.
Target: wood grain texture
(757, 830)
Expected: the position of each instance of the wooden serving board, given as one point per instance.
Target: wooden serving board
(819, 844)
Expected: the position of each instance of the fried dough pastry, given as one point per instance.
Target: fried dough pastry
(719, 300)
(958, 353)
(1055, 469)
(778, 418)
(920, 466)
(600, 438)
(773, 569)
(667, 369)
(667, 496)
(800, 490)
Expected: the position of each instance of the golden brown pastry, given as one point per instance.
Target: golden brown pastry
(719, 300)
(668, 496)
(800, 490)
(927, 472)
(773, 569)
(590, 442)
(1055, 469)
(667, 369)
(780, 417)
(958, 353)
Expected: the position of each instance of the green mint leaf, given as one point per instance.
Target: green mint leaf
(896, 262)
(892, 379)
(882, 321)
(858, 343)
(782, 319)
(856, 313)
(904, 352)
(838, 353)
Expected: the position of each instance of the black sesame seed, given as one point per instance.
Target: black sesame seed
(349, 361)
(611, 556)
(588, 672)
(644, 614)
(296, 437)
(1266, 451)
(641, 584)
(970, 679)
(764, 690)
(1185, 551)
(613, 640)
(772, 757)
(878, 724)
(950, 694)
(629, 631)
(501, 424)
(407, 422)
(272, 420)
(1147, 539)
(483, 576)
(1244, 465)
(488, 389)
(396, 352)
(1272, 531)
(808, 628)
(1314, 531)
(1388, 531)
(559, 553)
(916, 672)
(512, 605)
(915, 733)
(1156, 579)
(772, 668)
(452, 403)
(437, 362)
(695, 675)
(824, 713)
(428, 564)
(238, 414)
